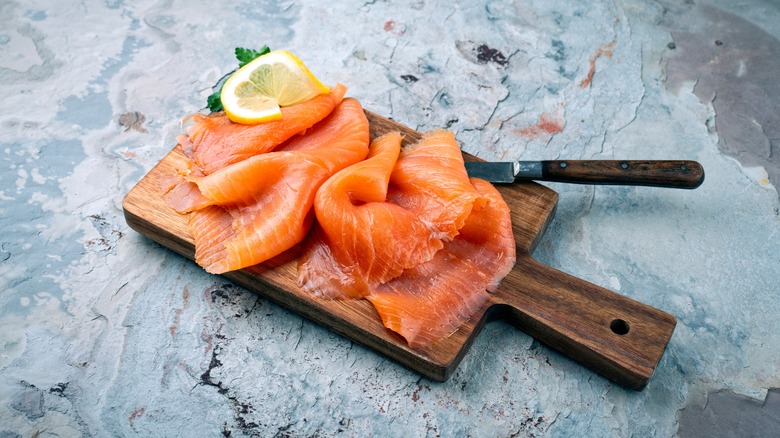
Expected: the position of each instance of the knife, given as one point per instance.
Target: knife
(679, 174)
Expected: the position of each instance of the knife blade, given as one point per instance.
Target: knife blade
(679, 174)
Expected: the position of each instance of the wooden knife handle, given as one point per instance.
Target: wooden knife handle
(679, 174)
(614, 335)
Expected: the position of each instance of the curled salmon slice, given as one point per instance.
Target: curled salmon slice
(429, 302)
(430, 180)
(361, 240)
(181, 193)
(260, 207)
(213, 141)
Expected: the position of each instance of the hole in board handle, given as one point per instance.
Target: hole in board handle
(619, 327)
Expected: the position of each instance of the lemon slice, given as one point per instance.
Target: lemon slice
(255, 93)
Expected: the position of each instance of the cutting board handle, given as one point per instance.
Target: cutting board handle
(620, 338)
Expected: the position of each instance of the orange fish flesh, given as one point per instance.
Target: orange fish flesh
(214, 141)
(430, 180)
(361, 240)
(429, 302)
(257, 208)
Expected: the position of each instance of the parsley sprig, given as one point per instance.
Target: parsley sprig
(244, 57)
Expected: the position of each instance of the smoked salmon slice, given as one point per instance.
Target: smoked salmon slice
(409, 231)
(360, 240)
(430, 180)
(214, 142)
(257, 208)
(387, 214)
(429, 302)
(181, 193)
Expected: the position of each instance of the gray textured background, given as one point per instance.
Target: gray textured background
(104, 333)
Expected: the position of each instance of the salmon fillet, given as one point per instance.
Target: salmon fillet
(257, 208)
(410, 232)
(429, 302)
(405, 229)
(430, 180)
(360, 240)
(214, 142)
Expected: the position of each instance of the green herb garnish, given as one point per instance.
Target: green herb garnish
(244, 57)
(214, 102)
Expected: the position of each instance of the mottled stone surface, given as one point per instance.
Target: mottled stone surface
(727, 414)
(104, 333)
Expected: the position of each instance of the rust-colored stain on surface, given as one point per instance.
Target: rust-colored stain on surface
(394, 28)
(602, 51)
(135, 414)
(548, 124)
(178, 312)
(128, 154)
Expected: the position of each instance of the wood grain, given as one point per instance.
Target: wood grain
(614, 335)
(681, 174)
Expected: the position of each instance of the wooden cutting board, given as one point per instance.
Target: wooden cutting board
(613, 335)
